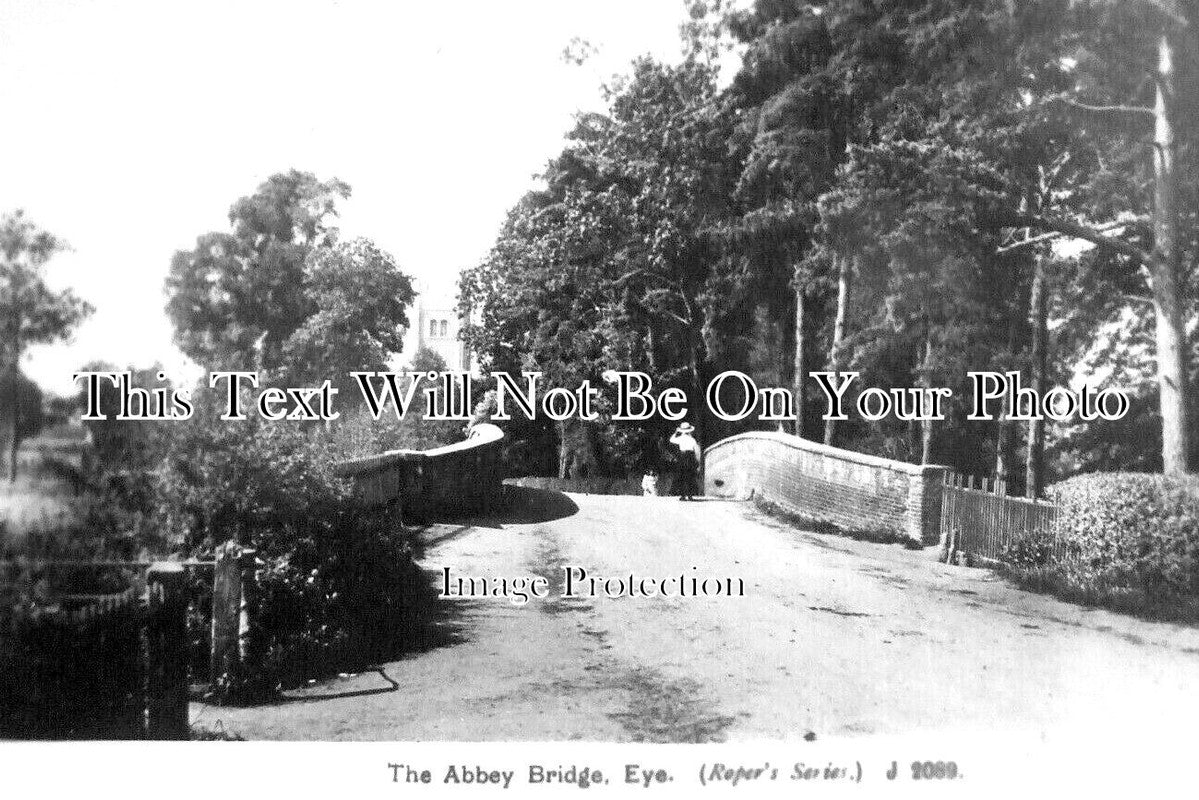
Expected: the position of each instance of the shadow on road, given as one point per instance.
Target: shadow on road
(429, 621)
(312, 698)
(431, 537)
(524, 506)
(520, 506)
(426, 622)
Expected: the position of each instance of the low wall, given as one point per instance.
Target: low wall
(850, 490)
(464, 476)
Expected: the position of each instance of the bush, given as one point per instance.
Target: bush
(356, 434)
(1120, 532)
(336, 576)
(1033, 549)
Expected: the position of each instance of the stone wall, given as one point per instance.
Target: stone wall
(465, 476)
(849, 490)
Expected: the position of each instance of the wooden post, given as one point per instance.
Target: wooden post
(231, 586)
(166, 682)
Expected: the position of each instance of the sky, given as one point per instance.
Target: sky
(130, 128)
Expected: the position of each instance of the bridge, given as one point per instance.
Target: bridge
(851, 491)
(831, 636)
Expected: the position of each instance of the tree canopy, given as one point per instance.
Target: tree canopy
(279, 292)
(237, 296)
(30, 313)
(908, 190)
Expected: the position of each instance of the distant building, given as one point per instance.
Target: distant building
(435, 325)
(437, 329)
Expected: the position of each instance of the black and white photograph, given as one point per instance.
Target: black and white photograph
(763, 396)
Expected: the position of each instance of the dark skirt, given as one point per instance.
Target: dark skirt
(688, 481)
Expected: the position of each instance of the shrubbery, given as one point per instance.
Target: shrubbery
(1118, 533)
(356, 434)
(336, 577)
(91, 525)
(337, 582)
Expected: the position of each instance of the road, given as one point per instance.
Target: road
(833, 637)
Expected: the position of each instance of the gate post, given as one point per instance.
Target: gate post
(166, 684)
(231, 586)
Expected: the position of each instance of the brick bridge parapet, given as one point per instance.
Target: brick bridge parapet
(852, 491)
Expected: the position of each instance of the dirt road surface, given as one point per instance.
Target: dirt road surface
(833, 637)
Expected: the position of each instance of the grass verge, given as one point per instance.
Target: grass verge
(1086, 590)
(795, 520)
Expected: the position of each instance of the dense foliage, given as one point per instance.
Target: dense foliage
(280, 294)
(1119, 532)
(908, 190)
(335, 578)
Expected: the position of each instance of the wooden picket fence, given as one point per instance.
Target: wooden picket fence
(99, 666)
(979, 518)
(121, 665)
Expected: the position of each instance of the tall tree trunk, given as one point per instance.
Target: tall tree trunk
(797, 379)
(1004, 430)
(926, 382)
(700, 428)
(844, 289)
(1038, 308)
(8, 423)
(697, 389)
(651, 350)
(1167, 300)
(563, 450)
(1003, 447)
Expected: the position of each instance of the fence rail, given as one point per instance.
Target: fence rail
(80, 664)
(980, 519)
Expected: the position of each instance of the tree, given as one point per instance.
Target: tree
(890, 182)
(30, 313)
(910, 211)
(358, 300)
(281, 295)
(536, 301)
(237, 296)
(816, 79)
(1134, 70)
(791, 134)
(426, 359)
(669, 144)
(616, 263)
(121, 445)
(27, 405)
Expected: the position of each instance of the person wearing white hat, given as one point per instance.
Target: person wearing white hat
(689, 460)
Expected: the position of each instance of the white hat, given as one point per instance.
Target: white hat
(686, 427)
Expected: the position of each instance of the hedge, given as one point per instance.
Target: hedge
(1123, 531)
